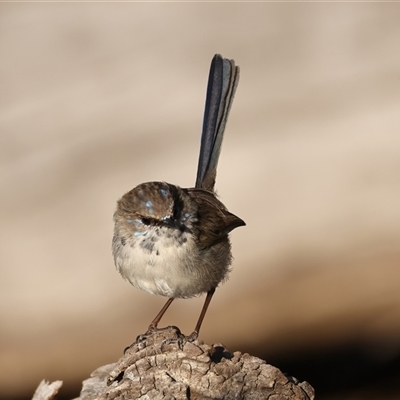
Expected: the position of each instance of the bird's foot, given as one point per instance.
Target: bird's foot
(193, 336)
(180, 339)
(151, 330)
(167, 336)
(171, 334)
(141, 340)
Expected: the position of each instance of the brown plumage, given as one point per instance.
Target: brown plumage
(172, 241)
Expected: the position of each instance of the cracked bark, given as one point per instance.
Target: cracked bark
(164, 365)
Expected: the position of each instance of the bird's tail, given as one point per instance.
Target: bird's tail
(222, 82)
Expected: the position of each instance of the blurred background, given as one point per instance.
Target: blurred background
(98, 97)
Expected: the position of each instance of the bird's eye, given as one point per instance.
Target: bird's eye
(185, 217)
(146, 221)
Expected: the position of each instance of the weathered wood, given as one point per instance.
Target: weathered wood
(46, 390)
(164, 365)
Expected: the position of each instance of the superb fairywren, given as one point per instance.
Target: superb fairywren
(174, 242)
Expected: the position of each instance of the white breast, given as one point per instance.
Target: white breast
(161, 263)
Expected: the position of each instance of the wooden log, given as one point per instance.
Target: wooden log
(164, 365)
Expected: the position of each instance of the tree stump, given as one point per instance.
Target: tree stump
(165, 365)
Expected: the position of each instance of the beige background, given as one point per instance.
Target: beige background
(98, 97)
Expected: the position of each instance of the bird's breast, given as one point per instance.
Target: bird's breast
(162, 261)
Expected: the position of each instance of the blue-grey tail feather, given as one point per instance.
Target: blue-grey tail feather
(222, 83)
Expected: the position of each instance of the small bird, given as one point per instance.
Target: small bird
(172, 241)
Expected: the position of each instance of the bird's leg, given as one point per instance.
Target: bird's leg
(153, 326)
(180, 339)
(193, 336)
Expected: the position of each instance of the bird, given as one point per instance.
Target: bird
(172, 241)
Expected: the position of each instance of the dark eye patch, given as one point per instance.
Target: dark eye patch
(178, 207)
(147, 221)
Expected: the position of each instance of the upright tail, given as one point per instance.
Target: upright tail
(222, 82)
